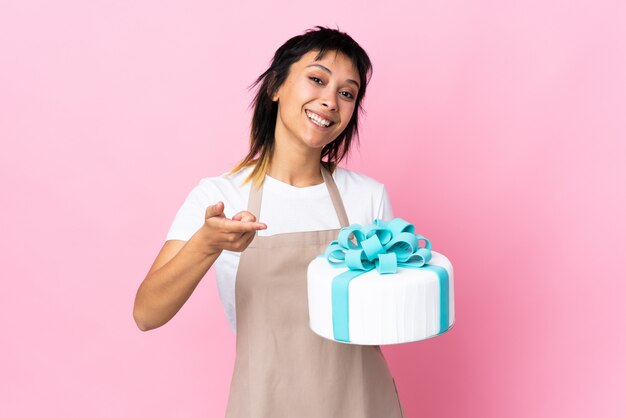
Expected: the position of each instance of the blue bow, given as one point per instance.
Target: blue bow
(384, 246)
(381, 245)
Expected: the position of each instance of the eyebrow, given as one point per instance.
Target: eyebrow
(330, 72)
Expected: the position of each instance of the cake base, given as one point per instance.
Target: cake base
(382, 309)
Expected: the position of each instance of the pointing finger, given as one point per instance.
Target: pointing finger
(239, 226)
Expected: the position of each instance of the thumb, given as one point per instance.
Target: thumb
(215, 210)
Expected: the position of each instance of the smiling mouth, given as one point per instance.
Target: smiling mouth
(318, 120)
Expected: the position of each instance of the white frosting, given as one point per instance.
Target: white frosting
(382, 309)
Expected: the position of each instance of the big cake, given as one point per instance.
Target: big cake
(380, 284)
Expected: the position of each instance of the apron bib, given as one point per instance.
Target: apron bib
(282, 368)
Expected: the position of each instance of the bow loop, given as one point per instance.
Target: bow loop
(372, 247)
(357, 260)
(345, 233)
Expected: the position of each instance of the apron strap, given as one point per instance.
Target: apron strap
(254, 200)
(340, 210)
(256, 195)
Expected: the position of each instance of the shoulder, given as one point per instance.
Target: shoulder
(228, 188)
(225, 182)
(364, 197)
(349, 179)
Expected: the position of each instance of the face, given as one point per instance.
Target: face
(317, 99)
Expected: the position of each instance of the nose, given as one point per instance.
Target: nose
(329, 99)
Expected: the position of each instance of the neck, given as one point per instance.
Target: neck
(296, 167)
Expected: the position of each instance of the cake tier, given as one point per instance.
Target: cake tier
(382, 308)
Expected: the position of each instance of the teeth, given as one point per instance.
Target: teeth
(318, 120)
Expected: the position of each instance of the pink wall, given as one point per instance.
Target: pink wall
(498, 127)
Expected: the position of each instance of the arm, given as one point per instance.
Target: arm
(181, 265)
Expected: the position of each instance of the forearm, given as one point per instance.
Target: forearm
(166, 289)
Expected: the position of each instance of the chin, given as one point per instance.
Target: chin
(316, 144)
(314, 141)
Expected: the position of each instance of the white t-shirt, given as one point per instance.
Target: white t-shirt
(284, 208)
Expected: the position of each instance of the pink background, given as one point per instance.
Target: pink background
(498, 127)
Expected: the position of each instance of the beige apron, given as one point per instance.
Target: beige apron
(282, 368)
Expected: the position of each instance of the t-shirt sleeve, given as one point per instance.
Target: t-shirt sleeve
(190, 216)
(385, 212)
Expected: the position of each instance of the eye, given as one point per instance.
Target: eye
(316, 80)
(347, 94)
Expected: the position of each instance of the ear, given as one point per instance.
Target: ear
(272, 91)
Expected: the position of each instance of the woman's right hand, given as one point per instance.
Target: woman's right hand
(181, 265)
(233, 234)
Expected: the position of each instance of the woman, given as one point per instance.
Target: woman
(305, 118)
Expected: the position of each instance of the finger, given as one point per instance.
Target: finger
(215, 210)
(250, 238)
(230, 226)
(244, 216)
(243, 241)
(241, 227)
